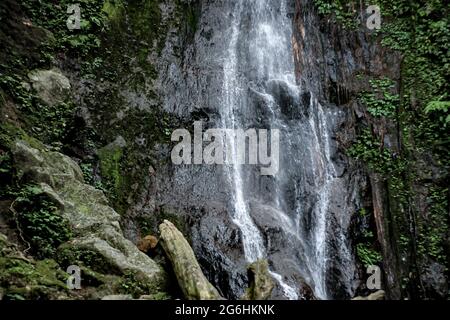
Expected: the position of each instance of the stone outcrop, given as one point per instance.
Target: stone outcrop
(261, 282)
(51, 85)
(378, 295)
(94, 223)
(327, 58)
(190, 277)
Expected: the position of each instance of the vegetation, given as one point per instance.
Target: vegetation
(406, 136)
(42, 227)
(343, 12)
(367, 255)
(132, 284)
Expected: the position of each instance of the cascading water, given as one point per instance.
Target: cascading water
(240, 71)
(234, 98)
(261, 30)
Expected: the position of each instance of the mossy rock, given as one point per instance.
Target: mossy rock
(114, 255)
(10, 133)
(43, 166)
(192, 281)
(98, 241)
(110, 158)
(51, 86)
(261, 282)
(32, 280)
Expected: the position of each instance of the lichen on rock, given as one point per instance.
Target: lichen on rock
(189, 274)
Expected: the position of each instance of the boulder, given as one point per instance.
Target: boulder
(94, 223)
(378, 295)
(40, 166)
(190, 277)
(261, 282)
(51, 85)
(112, 254)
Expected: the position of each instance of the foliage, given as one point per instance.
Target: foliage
(6, 175)
(367, 247)
(54, 17)
(419, 31)
(433, 231)
(40, 222)
(381, 102)
(441, 109)
(22, 279)
(369, 149)
(47, 123)
(367, 255)
(89, 177)
(132, 283)
(344, 12)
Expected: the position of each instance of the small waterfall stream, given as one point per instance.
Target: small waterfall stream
(233, 97)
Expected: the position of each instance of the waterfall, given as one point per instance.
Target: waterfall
(259, 43)
(240, 71)
(234, 98)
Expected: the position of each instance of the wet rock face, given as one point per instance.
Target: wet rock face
(335, 64)
(328, 58)
(434, 280)
(218, 246)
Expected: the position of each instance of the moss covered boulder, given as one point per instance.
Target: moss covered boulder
(98, 240)
(23, 278)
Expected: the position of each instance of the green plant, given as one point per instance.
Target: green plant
(40, 222)
(368, 148)
(363, 212)
(381, 102)
(367, 255)
(134, 284)
(433, 231)
(344, 12)
(5, 159)
(441, 109)
(418, 119)
(53, 17)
